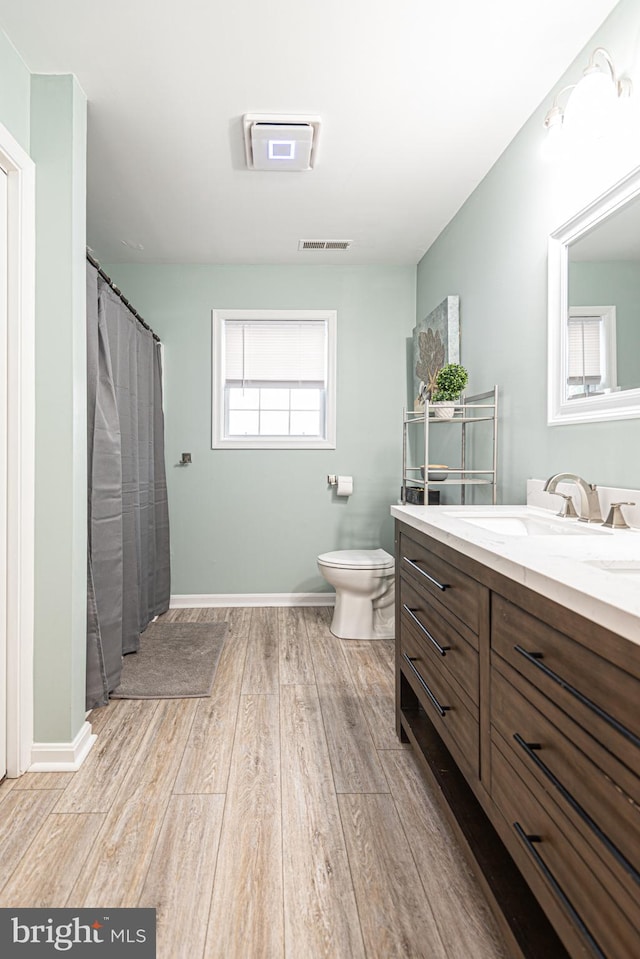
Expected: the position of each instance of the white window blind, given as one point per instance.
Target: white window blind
(272, 353)
(585, 360)
(274, 379)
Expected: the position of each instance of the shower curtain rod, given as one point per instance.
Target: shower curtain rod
(119, 293)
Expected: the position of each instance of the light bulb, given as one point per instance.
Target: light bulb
(588, 114)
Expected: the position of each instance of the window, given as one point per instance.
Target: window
(590, 351)
(274, 379)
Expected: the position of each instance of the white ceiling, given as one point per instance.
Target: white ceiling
(418, 98)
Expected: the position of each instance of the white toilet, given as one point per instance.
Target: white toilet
(365, 591)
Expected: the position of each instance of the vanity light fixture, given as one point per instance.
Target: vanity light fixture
(588, 106)
(553, 123)
(555, 113)
(621, 85)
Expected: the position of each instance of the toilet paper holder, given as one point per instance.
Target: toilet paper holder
(342, 484)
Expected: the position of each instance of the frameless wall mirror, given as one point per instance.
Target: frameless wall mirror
(594, 310)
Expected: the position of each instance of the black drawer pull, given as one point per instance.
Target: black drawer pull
(535, 660)
(575, 805)
(415, 566)
(529, 842)
(441, 709)
(412, 613)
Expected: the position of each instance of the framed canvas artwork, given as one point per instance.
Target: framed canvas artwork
(436, 342)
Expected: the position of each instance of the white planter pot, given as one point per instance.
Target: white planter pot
(444, 409)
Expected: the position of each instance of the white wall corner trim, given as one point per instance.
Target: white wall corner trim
(62, 757)
(198, 600)
(20, 441)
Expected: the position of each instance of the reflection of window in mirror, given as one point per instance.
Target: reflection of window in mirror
(590, 351)
(603, 269)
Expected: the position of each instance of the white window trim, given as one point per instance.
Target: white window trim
(218, 439)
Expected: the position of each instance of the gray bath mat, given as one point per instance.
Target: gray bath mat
(175, 661)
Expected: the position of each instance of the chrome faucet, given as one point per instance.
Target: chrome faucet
(589, 501)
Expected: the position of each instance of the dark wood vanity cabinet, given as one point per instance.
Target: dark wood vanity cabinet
(527, 716)
(438, 647)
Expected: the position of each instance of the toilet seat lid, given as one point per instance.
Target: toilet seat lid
(357, 559)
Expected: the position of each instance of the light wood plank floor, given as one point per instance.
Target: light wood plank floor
(280, 818)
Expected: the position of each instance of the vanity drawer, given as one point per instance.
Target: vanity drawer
(440, 643)
(595, 801)
(593, 914)
(459, 593)
(601, 697)
(447, 708)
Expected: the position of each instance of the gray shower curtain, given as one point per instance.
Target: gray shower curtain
(128, 576)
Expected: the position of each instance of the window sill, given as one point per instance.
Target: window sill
(251, 443)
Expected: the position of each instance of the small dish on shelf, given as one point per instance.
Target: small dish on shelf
(435, 472)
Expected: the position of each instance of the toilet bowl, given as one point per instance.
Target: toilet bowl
(365, 591)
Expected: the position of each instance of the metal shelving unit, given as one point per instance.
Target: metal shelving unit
(480, 408)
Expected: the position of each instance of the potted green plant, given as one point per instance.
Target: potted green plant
(450, 382)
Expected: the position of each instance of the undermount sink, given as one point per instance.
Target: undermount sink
(519, 525)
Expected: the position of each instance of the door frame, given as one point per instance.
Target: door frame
(20, 451)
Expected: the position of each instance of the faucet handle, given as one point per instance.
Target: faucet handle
(615, 519)
(567, 509)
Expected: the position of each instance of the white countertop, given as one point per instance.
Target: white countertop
(562, 559)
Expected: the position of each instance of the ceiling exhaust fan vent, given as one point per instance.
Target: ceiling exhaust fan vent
(324, 244)
(280, 143)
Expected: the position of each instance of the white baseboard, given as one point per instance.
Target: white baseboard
(186, 600)
(62, 757)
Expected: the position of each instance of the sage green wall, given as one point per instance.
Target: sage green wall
(15, 80)
(615, 283)
(494, 254)
(58, 147)
(253, 521)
